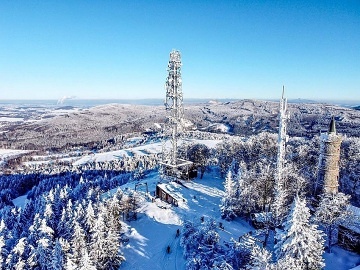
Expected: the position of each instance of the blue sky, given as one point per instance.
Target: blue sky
(230, 49)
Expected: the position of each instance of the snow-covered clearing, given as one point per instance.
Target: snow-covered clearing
(158, 221)
(151, 148)
(11, 119)
(6, 154)
(118, 154)
(20, 201)
(341, 259)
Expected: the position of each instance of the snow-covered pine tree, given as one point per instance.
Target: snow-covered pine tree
(78, 243)
(57, 258)
(229, 200)
(279, 207)
(65, 227)
(3, 250)
(287, 263)
(86, 263)
(16, 258)
(98, 239)
(260, 259)
(113, 258)
(300, 240)
(89, 217)
(332, 211)
(201, 246)
(245, 199)
(70, 265)
(139, 173)
(44, 244)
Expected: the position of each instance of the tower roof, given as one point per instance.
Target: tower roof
(332, 127)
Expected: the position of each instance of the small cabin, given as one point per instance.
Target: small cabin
(349, 234)
(260, 220)
(165, 195)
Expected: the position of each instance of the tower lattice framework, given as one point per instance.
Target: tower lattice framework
(174, 125)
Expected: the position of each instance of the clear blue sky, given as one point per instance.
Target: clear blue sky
(230, 49)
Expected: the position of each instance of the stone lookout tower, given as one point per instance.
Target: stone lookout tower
(328, 168)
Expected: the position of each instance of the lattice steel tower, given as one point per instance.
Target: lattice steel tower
(174, 126)
(174, 104)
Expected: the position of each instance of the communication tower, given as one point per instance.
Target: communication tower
(280, 203)
(282, 139)
(171, 164)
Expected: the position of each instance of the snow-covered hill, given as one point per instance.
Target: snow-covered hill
(112, 122)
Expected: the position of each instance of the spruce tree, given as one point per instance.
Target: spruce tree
(260, 259)
(227, 203)
(332, 211)
(300, 240)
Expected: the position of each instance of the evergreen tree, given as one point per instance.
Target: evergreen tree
(201, 246)
(57, 259)
(86, 262)
(228, 201)
(245, 193)
(279, 208)
(98, 238)
(89, 217)
(300, 240)
(260, 259)
(332, 211)
(3, 250)
(237, 254)
(287, 263)
(65, 227)
(78, 243)
(113, 259)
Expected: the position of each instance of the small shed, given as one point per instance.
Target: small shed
(164, 194)
(260, 220)
(349, 233)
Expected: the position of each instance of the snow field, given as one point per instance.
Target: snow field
(151, 148)
(158, 221)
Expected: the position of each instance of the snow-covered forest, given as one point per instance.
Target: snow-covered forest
(84, 205)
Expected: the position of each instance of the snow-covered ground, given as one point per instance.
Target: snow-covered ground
(20, 201)
(341, 259)
(158, 221)
(151, 148)
(6, 153)
(10, 153)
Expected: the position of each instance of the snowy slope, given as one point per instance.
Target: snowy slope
(151, 148)
(6, 154)
(158, 221)
(156, 226)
